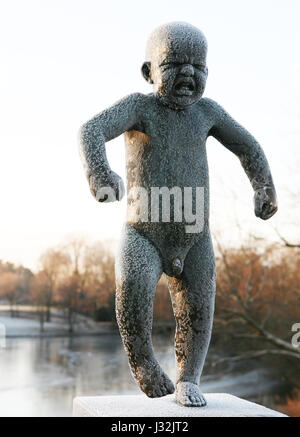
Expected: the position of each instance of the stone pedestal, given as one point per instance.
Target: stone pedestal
(218, 405)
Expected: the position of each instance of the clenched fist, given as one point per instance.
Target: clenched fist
(265, 202)
(107, 187)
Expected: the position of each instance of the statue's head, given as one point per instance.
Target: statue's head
(176, 64)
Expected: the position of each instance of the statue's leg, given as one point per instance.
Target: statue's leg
(193, 296)
(138, 269)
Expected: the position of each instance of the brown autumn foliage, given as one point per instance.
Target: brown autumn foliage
(15, 284)
(54, 266)
(291, 406)
(40, 289)
(262, 286)
(79, 277)
(68, 295)
(99, 276)
(262, 283)
(258, 295)
(162, 310)
(9, 288)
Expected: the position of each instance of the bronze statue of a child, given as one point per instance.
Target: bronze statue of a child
(165, 134)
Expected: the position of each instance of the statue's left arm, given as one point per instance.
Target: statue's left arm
(105, 184)
(239, 141)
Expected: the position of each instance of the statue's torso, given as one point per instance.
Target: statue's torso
(168, 149)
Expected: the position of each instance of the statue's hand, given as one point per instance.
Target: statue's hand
(265, 202)
(107, 187)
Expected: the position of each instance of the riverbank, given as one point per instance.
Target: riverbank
(26, 323)
(29, 326)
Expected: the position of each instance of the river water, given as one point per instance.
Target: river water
(41, 376)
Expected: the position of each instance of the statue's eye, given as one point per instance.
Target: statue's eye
(166, 66)
(200, 67)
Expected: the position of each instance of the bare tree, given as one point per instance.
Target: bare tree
(162, 307)
(99, 279)
(286, 242)
(68, 296)
(75, 248)
(40, 290)
(9, 289)
(54, 265)
(261, 290)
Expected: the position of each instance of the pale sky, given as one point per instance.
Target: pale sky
(65, 60)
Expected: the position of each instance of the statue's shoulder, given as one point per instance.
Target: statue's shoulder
(131, 99)
(146, 100)
(211, 108)
(209, 104)
(141, 101)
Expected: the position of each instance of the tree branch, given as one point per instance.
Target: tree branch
(287, 243)
(258, 354)
(266, 334)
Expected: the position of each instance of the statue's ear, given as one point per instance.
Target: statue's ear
(146, 69)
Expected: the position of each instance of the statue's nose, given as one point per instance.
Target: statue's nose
(187, 70)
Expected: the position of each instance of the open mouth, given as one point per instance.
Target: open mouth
(184, 86)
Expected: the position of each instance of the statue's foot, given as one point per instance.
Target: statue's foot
(189, 395)
(153, 381)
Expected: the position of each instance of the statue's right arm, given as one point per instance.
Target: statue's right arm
(107, 125)
(240, 142)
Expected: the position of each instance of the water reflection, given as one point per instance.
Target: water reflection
(41, 376)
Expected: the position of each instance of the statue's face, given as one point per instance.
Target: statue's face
(179, 77)
(176, 64)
